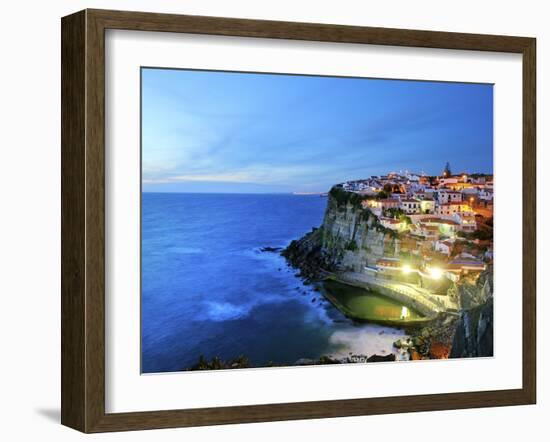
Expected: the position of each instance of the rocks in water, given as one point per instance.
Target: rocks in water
(381, 358)
(349, 237)
(323, 360)
(314, 299)
(217, 363)
(404, 344)
(271, 249)
(352, 358)
(328, 360)
(307, 255)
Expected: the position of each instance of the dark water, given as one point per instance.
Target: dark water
(208, 290)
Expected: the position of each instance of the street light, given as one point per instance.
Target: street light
(406, 269)
(435, 273)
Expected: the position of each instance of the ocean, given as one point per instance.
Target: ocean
(208, 289)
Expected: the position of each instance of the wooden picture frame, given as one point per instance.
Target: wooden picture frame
(83, 220)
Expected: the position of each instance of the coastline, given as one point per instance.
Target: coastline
(457, 323)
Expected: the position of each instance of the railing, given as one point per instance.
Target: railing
(421, 297)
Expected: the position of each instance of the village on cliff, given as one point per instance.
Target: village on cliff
(445, 222)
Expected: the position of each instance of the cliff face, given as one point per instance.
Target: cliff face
(474, 331)
(349, 238)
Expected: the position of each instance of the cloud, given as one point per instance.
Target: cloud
(221, 177)
(208, 129)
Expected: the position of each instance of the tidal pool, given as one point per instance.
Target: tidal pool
(364, 305)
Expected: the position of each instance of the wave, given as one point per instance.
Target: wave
(365, 340)
(225, 311)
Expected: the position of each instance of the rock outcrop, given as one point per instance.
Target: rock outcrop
(349, 238)
(474, 332)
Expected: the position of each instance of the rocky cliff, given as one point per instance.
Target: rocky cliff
(349, 238)
(474, 331)
(466, 336)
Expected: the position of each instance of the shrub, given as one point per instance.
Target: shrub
(343, 197)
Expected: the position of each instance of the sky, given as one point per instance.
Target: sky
(228, 132)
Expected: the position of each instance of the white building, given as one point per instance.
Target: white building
(486, 194)
(444, 181)
(427, 206)
(446, 209)
(410, 206)
(466, 221)
(444, 247)
(393, 224)
(448, 196)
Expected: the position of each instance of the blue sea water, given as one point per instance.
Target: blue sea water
(208, 289)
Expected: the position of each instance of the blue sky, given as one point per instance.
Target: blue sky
(254, 133)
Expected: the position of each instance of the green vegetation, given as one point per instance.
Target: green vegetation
(411, 259)
(397, 213)
(389, 232)
(365, 215)
(380, 228)
(393, 212)
(482, 235)
(343, 198)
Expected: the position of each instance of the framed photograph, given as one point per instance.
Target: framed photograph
(270, 220)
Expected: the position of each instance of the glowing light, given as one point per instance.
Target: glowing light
(406, 269)
(404, 312)
(435, 273)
